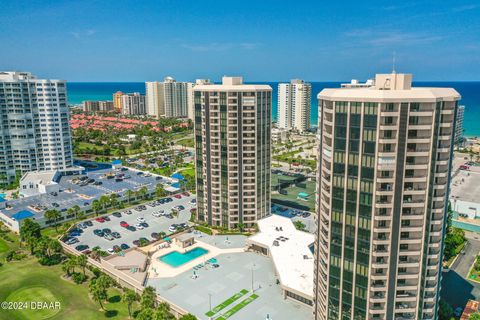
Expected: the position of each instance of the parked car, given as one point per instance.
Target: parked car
(117, 214)
(172, 228)
(140, 219)
(106, 230)
(124, 246)
(193, 201)
(157, 214)
(100, 219)
(116, 248)
(98, 232)
(82, 247)
(155, 235)
(97, 183)
(124, 224)
(128, 211)
(108, 236)
(116, 235)
(139, 226)
(106, 218)
(186, 194)
(131, 228)
(178, 196)
(110, 250)
(88, 223)
(81, 226)
(144, 224)
(71, 241)
(74, 234)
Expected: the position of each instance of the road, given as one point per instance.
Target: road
(456, 290)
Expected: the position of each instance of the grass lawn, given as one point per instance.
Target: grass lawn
(187, 142)
(227, 302)
(26, 280)
(238, 307)
(3, 246)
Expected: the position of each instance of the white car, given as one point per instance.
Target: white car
(172, 229)
(139, 226)
(156, 214)
(110, 250)
(140, 219)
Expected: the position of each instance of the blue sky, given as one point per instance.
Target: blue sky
(265, 40)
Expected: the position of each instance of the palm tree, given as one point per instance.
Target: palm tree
(69, 265)
(143, 192)
(96, 206)
(77, 211)
(160, 191)
(53, 215)
(148, 297)
(129, 194)
(114, 199)
(129, 296)
(163, 312)
(104, 201)
(96, 253)
(98, 293)
(82, 262)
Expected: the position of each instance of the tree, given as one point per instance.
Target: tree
(163, 312)
(96, 206)
(145, 314)
(96, 253)
(475, 316)
(98, 292)
(299, 225)
(188, 316)
(52, 215)
(240, 226)
(148, 298)
(82, 262)
(129, 194)
(445, 311)
(143, 192)
(77, 211)
(104, 201)
(160, 191)
(129, 297)
(114, 199)
(69, 265)
(30, 233)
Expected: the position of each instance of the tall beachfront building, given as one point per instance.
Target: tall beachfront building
(383, 178)
(294, 105)
(459, 125)
(133, 104)
(233, 157)
(35, 131)
(170, 99)
(117, 101)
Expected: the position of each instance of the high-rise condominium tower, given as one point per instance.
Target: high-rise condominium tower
(232, 141)
(459, 125)
(133, 104)
(170, 99)
(383, 180)
(294, 105)
(34, 132)
(117, 101)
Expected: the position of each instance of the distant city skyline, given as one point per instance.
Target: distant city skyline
(263, 41)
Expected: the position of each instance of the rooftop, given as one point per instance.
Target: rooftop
(290, 251)
(231, 84)
(390, 87)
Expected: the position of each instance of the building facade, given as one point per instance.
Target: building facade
(97, 106)
(35, 130)
(459, 125)
(170, 99)
(133, 104)
(117, 101)
(294, 101)
(233, 152)
(383, 179)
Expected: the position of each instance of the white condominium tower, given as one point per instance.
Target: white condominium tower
(383, 179)
(133, 104)
(294, 105)
(232, 142)
(170, 99)
(34, 131)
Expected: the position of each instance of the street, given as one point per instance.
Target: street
(456, 290)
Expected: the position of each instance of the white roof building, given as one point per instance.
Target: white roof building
(290, 250)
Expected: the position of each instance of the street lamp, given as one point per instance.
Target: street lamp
(253, 266)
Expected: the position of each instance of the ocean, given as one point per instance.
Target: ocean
(470, 91)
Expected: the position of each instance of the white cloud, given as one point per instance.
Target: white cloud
(83, 34)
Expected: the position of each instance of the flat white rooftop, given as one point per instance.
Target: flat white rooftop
(290, 251)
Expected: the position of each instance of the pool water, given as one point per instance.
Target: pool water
(176, 259)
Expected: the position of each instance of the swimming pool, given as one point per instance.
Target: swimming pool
(176, 259)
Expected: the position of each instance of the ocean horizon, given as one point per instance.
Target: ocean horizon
(469, 90)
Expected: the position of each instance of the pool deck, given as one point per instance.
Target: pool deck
(159, 269)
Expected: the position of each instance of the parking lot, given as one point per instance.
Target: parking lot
(296, 215)
(155, 224)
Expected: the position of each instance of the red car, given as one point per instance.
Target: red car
(186, 194)
(101, 220)
(178, 196)
(124, 224)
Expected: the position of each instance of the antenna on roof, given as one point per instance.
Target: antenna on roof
(393, 63)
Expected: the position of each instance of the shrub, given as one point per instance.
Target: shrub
(79, 278)
(50, 261)
(204, 229)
